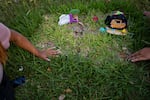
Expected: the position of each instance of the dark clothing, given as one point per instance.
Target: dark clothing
(6, 89)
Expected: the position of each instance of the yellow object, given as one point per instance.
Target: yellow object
(115, 31)
(124, 31)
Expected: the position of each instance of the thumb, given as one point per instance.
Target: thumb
(47, 59)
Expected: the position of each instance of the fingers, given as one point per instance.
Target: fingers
(137, 58)
(51, 52)
(47, 59)
(147, 13)
(135, 54)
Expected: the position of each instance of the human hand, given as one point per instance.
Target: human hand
(44, 54)
(147, 13)
(143, 54)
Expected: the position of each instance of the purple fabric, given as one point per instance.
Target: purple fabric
(72, 20)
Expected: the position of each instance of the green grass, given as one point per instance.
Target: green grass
(89, 66)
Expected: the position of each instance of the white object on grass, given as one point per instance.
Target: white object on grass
(64, 19)
(21, 68)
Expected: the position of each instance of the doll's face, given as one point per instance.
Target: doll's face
(117, 23)
(75, 17)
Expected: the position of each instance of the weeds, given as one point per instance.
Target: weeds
(90, 66)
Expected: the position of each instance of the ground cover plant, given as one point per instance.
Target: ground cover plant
(91, 67)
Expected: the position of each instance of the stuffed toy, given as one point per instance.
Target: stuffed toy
(116, 23)
(72, 17)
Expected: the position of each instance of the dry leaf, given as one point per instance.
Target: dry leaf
(68, 90)
(108, 0)
(49, 69)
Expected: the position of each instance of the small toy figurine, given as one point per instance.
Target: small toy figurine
(117, 22)
(69, 18)
(74, 15)
(95, 19)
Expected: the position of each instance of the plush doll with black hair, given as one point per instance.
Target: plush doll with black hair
(116, 23)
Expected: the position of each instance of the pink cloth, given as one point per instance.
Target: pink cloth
(4, 36)
(4, 39)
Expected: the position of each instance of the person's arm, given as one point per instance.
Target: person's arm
(143, 54)
(24, 43)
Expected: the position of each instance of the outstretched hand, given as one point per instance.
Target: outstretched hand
(44, 54)
(143, 54)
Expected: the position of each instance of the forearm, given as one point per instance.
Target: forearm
(148, 52)
(23, 42)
